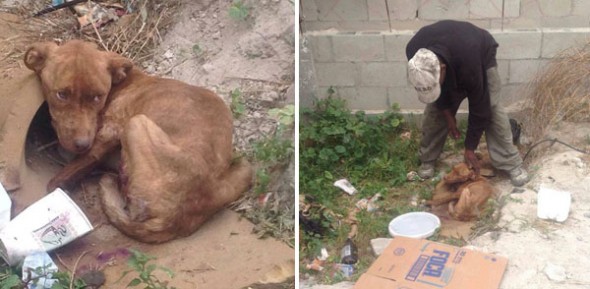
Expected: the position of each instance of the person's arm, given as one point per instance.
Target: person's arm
(479, 115)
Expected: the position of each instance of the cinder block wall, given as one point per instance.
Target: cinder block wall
(357, 47)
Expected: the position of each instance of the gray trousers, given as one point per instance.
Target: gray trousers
(503, 153)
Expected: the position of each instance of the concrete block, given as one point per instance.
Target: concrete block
(518, 44)
(513, 93)
(379, 244)
(342, 10)
(336, 74)
(321, 47)
(354, 26)
(555, 8)
(383, 74)
(358, 47)
(414, 25)
(566, 21)
(405, 96)
(504, 70)
(377, 10)
(364, 98)
(556, 40)
(443, 9)
(524, 70)
(402, 9)
(308, 26)
(307, 83)
(581, 7)
(483, 9)
(309, 10)
(395, 45)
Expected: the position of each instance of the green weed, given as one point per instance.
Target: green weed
(237, 104)
(239, 11)
(138, 262)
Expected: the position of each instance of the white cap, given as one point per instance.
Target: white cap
(424, 75)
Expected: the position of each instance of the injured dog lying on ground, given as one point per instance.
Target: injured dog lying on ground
(177, 167)
(465, 192)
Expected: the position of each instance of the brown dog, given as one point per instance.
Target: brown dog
(472, 192)
(176, 139)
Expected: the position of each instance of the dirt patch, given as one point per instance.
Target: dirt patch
(204, 47)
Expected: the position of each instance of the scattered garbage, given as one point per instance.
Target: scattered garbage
(50, 223)
(378, 245)
(346, 269)
(346, 186)
(324, 254)
(554, 272)
(38, 269)
(415, 263)
(418, 225)
(349, 253)
(5, 207)
(90, 13)
(553, 204)
(316, 265)
(413, 176)
(369, 204)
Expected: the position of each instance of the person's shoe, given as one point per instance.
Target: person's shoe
(518, 176)
(426, 170)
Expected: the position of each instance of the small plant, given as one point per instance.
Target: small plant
(138, 261)
(197, 50)
(285, 115)
(237, 105)
(239, 11)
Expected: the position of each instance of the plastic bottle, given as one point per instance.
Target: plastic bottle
(349, 253)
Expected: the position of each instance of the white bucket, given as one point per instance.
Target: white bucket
(417, 225)
(553, 204)
(49, 223)
(5, 207)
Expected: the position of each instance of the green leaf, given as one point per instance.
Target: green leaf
(340, 149)
(134, 282)
(167, 271)
(11, 281)
(328, 175)
(395, 122)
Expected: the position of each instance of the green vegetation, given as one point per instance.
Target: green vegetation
(138, 262)
(11, 276)
(237, 105)
(239, 11)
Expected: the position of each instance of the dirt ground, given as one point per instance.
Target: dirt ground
(204, 47)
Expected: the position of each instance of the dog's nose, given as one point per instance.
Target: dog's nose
(82, 144)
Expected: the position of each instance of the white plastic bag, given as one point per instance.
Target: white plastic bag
(553, 204)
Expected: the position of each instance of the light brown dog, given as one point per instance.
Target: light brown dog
(466, 193)
(176, 139)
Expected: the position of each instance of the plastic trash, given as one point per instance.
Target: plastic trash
(39, 263)
(346, 186)
(5, 207)
(553, 204)
(346, 269)
(418, 225)
(50, 223)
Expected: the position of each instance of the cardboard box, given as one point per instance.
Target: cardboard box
(421, 264)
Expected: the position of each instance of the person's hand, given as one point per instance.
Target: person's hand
(453, 131)
(451, 124)
(472, 161)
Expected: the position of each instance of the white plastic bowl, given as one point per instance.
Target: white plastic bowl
(418, 225)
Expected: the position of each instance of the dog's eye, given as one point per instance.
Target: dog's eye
(61, 95)
(96, 98)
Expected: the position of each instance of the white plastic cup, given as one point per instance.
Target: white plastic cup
(553, 204)
(49, 223)
(5, 207)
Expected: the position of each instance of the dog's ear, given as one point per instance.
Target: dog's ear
(36, 55)
(119, 67)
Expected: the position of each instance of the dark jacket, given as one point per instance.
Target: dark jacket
(468, 51)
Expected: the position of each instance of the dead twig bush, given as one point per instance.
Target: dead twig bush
(559, 92)
(134, 35)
